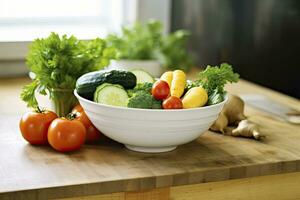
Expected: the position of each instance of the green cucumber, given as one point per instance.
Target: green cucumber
(111, 94)
(142, 76)
(87, 83)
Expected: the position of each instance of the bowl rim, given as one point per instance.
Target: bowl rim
(149, 110)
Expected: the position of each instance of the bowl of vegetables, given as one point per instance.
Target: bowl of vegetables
(153, 115)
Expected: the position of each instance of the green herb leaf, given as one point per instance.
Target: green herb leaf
(146, 42)
(215, 78)
(28, 94)
(57, 62)
(173, 54)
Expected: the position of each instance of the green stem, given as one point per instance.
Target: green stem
(63, 100)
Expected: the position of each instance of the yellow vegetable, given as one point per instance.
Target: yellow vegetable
(167, 76)
(195, 97)
(178, 83)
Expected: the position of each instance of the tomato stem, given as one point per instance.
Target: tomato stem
(71, 116)
(38, 109)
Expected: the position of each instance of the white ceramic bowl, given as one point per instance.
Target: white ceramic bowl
(147, 130)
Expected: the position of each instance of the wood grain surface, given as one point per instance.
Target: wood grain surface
(275, 187)
(36, 172)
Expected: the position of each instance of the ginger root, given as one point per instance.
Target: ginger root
(220, 124)
(233, 115)
(234, 110)
(247, 129)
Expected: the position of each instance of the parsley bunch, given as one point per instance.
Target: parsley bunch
(57, 62)
(213, 80)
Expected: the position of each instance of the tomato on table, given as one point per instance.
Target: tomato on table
(66, 134)
(160, 90)
(92, 133)
(34, 125)
(172, 103)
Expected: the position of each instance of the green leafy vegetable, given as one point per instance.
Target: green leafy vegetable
(215, 97)
(147, 42)
(143, 100)
(57, 62)
(27, 94)
(140, 97)
(156, 104)
(137, 42)
(215, 78)
(173, 54)
(140, 88)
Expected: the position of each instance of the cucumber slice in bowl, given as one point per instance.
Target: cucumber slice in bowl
(142, 76)
(111, 94)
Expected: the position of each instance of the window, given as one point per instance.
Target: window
(26, 20)
(23, 21)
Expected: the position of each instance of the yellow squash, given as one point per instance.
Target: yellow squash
(195, 97)
(178, 83)
(167, 76)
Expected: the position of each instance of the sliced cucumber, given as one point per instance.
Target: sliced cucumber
(111, 94)
(142, 76)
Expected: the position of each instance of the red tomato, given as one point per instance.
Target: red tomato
(66, 135)
(82, 117)
(34, 126)
(160, 90)
(92, 133)
(77, 108)
(172, 103)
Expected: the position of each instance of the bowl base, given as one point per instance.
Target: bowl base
(150, 149)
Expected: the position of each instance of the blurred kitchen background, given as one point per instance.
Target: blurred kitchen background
(260, 38)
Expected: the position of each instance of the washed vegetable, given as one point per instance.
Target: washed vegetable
(142, 76)
(143, 100)
(213, 80)
(195, 97)
(92, 133)
(34, 126)
(247, 129)
(86, 85)
(111, 94)
(66, 135)
(220, 124)
(178, 83)
(168, 77)
(172, 103)
(215, 97)
(160, 90)
(140, 87)
(56, 63)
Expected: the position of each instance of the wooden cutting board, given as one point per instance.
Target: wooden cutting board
(40, 172)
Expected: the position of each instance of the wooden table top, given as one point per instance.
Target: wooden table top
(40, 172)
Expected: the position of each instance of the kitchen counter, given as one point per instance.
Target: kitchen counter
(210, 167)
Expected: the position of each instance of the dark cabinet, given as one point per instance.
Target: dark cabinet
(261, 38)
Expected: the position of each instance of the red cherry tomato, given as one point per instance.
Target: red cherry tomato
(160, 90)
(66, 135)
(172, 103)
(92, 133)
(34, 126)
